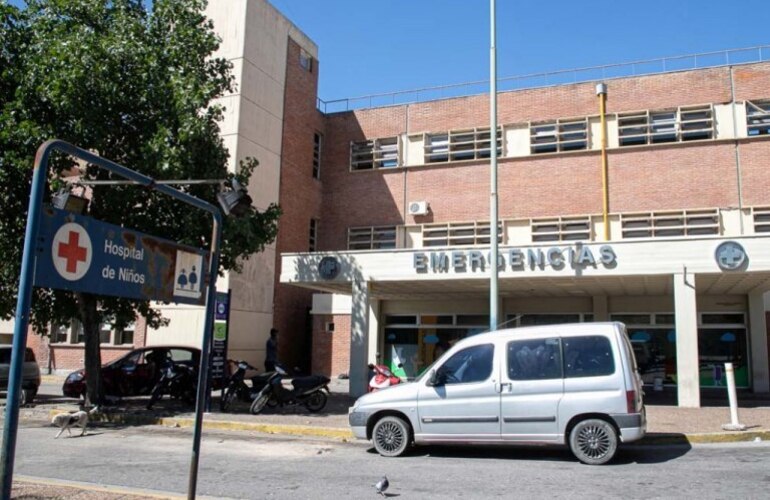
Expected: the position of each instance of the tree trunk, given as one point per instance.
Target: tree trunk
(87, 306)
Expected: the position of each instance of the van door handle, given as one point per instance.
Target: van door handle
(499, 387)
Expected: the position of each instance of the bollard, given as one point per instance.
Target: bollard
(733, 425)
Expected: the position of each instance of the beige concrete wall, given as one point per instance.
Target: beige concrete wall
(254, 39)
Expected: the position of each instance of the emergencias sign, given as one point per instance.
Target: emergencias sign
(516, 259)
(82, 254)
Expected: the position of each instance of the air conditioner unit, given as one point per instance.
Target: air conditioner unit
(418, 208)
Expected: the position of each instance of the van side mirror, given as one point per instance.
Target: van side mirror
(436, 379)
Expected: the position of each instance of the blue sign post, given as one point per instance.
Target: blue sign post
(67, 259)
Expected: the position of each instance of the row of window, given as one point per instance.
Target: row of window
(74, 334)
(661, 224)
(685, 123)
(542, 359)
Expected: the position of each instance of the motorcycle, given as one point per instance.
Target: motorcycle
(238, 389)
(178, 380)
(382, 378)
(306, 391)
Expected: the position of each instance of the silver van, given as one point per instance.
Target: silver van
(574, 384)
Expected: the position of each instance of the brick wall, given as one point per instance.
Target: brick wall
(659, 177)
(63, 357)
(331, 350)
(300, 200)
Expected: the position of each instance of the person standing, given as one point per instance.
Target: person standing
(271, 351)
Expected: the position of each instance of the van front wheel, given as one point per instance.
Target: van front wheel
(391, 436)
(593, 441)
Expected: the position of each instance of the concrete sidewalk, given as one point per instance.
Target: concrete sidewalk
(666, 422)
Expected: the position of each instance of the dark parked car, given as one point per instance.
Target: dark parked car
(134, 374)
(30, 381)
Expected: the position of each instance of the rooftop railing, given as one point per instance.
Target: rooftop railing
(554, 78)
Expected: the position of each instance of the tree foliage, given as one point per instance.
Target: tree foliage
(136, 86)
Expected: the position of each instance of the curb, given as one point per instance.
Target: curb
(224, 425)
(704, 438)
(80, 486)
(345, 435)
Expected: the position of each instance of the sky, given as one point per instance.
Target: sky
(369, 47)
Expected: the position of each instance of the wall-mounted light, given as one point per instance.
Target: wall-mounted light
(235, 201)
(64, 199)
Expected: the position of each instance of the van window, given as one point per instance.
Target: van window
(534, 359)
(588, 356)
(473, 364)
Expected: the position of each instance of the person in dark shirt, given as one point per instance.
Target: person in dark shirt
(271, 351)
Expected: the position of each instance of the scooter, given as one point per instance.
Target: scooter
(306, 391)
(238, 389)
(382, 378)
(178, 380)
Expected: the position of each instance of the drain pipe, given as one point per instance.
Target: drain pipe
(738, 173)
(601, 92)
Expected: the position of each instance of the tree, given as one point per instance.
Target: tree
(136, 85)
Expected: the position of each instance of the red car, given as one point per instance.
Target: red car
(134, 374)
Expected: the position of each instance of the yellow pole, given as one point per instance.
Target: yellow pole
(601, 92)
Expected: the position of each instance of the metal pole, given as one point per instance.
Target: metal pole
(734, 425)
(208, 327)
(493, 303)
(23, 302)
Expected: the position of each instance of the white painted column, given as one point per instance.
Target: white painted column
(359, 338)
(760, 379)
(374, 332)
(601, 309)
(687, 371)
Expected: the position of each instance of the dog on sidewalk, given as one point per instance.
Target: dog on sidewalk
(67, 421)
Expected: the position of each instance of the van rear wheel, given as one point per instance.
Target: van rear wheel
(593, 441)
(391, 436)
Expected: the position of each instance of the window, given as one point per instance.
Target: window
(371, 238)
(59, 334)
(761, 217)
(668, 224)
(181, 355)
(632, 319)
(313, 235)
(306, 60)
(534, 359)
(559, 135)
(561, 229)
(548, 319)
(105, 333)
(125, 336)
(758, 118)
(458, 233)
(473, 364)
(458, 145)
(723, 319)
(588, 357)
(317, 140)
(377, 153)
(681, 124)
(78, 334)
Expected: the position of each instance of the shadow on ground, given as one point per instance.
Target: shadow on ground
(630, 454)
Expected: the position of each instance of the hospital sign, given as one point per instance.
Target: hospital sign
(82, 254)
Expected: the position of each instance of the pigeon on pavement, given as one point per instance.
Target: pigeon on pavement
(381, 486)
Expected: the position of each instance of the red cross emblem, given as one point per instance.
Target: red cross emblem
(72, 251)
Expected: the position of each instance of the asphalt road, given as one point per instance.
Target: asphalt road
(248, 465)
